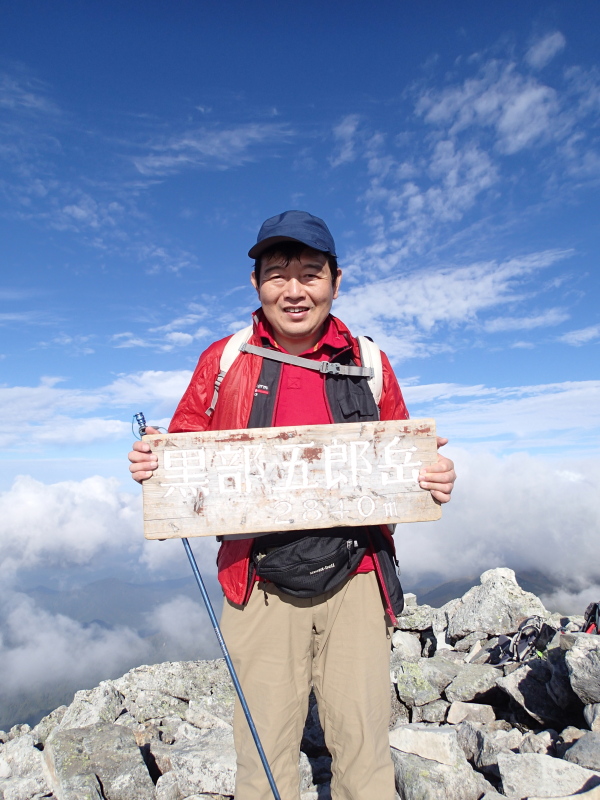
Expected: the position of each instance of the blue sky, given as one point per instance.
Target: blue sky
(453, 149)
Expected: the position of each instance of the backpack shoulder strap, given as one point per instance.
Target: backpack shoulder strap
(370, 356)
(230, 352)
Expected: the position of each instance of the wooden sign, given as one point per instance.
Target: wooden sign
(283, 479)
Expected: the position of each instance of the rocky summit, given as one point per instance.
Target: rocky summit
(462, 728)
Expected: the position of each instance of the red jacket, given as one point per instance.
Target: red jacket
(232, 412)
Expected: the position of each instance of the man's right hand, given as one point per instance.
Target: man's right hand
(143, 462)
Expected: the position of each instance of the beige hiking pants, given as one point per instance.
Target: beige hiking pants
(338, 644)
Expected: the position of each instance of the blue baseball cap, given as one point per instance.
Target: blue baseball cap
(296, 226)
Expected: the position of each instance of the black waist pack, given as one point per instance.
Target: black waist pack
(309, 565)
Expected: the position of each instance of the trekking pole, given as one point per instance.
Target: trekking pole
(139, 418)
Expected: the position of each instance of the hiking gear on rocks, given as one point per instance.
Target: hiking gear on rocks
(300, 226)
(532, 636)
(591, 622)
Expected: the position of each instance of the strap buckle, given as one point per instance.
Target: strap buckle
(330, 368)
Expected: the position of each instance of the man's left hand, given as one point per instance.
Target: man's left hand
(439, 477)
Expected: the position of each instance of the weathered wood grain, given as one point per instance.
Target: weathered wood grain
(282, 479)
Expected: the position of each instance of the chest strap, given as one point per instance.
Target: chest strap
(327, 367)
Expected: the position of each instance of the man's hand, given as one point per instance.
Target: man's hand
(143, 462)
(439, 477)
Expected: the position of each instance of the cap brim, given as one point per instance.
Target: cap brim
(261, 246)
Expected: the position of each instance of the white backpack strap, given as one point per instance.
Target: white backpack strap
(370, 356)
(228, 356)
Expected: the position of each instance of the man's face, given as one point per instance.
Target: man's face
(296, 298)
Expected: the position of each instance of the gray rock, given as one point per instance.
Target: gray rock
(198, 715)
(493, 742)
(567, 739)
(407, 647)
(496, 606)
(413, 687)
(583, 663)
(207, 682)
(167, 787)
(431, 712)
(435, 744)
(206, 765)
(422, 779)
(483, 653)
(101, 704)
(573, 639)
(527, 686)
(417, 618)
(464, 645)
(451, 655)
(591, 714)
(543, 743)
(529, 774)
(410, 603)
(559, 686)
(21, 769)
(429, 643)
(150, 705)
(472, 682)
(472, 712)
(100, 760)
(467, 736)
(400, 713)
(481, 744)
(46, 725)
(18, 730)
(593, 794)
(441, 622)
(585, 751)
(440, 671)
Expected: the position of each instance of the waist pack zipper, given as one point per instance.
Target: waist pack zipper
(351, 547)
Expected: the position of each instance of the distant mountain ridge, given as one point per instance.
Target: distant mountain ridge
(436, 596)
(112, 601)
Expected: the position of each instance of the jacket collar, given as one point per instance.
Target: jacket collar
(335, 339)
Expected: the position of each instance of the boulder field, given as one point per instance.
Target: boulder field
(461, 728)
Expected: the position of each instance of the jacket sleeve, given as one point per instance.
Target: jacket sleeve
(392, 405)
(190, 414)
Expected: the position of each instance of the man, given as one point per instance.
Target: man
(336, 642)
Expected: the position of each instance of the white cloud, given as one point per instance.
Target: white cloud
(184, 622)
(345, 134)
(581, 336)
(210, 148)
(178, 338)
(37, 649)
(518, 108)
(543, 51)
(24, 94)
(542, 417)
(52, 413)
(516, 511)
(66, 524)
(77, 528)
(403, 314)
(553, 316)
